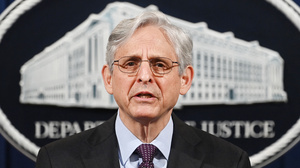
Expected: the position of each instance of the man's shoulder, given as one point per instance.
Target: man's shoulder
(205, 140)
(72, 151)
(85, 138)
(216, 142)
(207, 148)
(72, 140)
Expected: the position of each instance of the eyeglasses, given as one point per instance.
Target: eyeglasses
(158, 65)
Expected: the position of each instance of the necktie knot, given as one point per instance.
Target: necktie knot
(147, 153)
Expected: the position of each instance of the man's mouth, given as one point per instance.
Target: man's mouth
(144, 95)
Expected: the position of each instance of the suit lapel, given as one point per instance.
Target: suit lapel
(102, 147)
(178, 160)
(185, 150)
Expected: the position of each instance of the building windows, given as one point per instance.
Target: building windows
(230, 69)
(96, 52)
(205, 65)
(218, 67)
(199, 95)
(212, 66)
(90, 55)
(198, 62)
(226, 68)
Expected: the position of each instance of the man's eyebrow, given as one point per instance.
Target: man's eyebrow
(139, 56)
(134, 55)
(154, 56)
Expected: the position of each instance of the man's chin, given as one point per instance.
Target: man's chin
(145, 117)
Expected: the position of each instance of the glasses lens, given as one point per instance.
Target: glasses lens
(161, 65)
(129, 64)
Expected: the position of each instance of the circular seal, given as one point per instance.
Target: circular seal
(245, 90)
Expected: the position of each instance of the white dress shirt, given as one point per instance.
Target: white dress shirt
(129, 142)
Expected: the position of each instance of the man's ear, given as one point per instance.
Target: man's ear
(107, 79)
(186, 79)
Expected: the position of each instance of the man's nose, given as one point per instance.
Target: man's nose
(145, 74)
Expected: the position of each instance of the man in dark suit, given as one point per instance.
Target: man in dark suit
(149, 64)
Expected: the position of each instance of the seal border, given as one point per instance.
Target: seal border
(9, 16)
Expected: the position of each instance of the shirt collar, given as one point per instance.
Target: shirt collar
(129, 142)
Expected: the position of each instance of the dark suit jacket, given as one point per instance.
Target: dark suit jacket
(98, 148)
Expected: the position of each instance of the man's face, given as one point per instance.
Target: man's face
(143, 96)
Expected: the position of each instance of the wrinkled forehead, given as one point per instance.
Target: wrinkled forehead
(150, 41)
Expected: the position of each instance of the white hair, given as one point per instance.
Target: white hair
(181, 41)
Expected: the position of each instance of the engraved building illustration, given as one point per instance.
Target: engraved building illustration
(227, 70)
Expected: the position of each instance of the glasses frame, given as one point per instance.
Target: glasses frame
(149, 61)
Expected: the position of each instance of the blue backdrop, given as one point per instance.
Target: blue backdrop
(12, 158)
